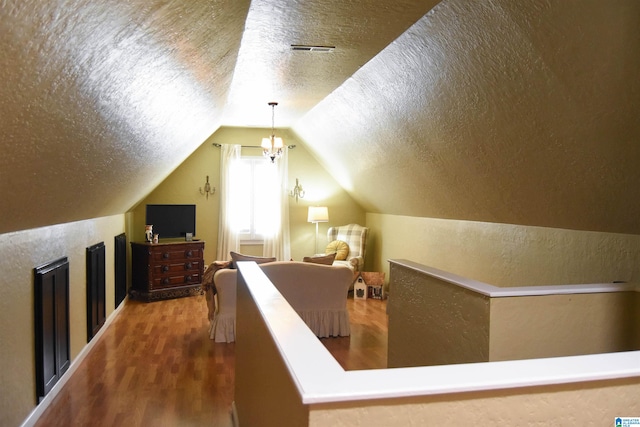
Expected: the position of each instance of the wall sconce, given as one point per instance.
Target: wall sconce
(208, 189)
(297, 191)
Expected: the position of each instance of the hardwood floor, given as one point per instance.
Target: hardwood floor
(156, 366)
(366, 348)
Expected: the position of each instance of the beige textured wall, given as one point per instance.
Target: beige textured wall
(561, 325)
(596, 403)
(435, 323)
(503, 254)
(182, 187)
(20, 252)
(265, 393)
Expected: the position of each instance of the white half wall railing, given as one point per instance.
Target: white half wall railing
(286, 377)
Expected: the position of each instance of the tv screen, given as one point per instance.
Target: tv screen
(172, 220)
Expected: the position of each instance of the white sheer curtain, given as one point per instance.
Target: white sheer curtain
(277, 242)
(228, 238)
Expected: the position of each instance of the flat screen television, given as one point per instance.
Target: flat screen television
(172, 220)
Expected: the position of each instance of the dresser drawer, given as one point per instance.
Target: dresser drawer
(175, 280)
(173, 254)
(176, 267)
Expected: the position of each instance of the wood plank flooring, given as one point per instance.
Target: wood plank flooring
(156, 366)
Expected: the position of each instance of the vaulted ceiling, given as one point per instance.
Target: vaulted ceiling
(499, 111)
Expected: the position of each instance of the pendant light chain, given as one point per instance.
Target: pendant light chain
(272, 146)
(273, 120)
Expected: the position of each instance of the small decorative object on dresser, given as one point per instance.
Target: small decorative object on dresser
(166, 270)
(148, 233)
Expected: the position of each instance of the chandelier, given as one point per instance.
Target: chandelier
(272, 146)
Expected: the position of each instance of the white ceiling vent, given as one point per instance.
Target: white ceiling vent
(309, 48)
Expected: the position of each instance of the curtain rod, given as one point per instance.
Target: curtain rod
(215, 144)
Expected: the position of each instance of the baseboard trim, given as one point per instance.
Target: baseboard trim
(234, 414)
(37, 412)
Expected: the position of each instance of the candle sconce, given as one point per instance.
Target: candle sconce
(297, 191)
(208, 189)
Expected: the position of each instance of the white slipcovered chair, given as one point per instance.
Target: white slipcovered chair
(318, 293)
(355, 236)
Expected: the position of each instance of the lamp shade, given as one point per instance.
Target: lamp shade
(318, 214)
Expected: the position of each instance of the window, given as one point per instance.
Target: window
(254, 199)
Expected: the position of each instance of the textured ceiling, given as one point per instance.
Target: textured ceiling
(99, 101)
(520, 113)
(268, 70)
(498, 111)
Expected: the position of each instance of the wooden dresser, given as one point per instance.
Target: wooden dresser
(166, 270)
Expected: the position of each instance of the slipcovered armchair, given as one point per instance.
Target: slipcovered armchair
(355, 236)
(318, 293)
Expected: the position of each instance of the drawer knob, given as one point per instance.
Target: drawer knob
(187, 266)
(165, 255)
(189, 254)
(166, 281)
(165, 268)
(187, 278)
